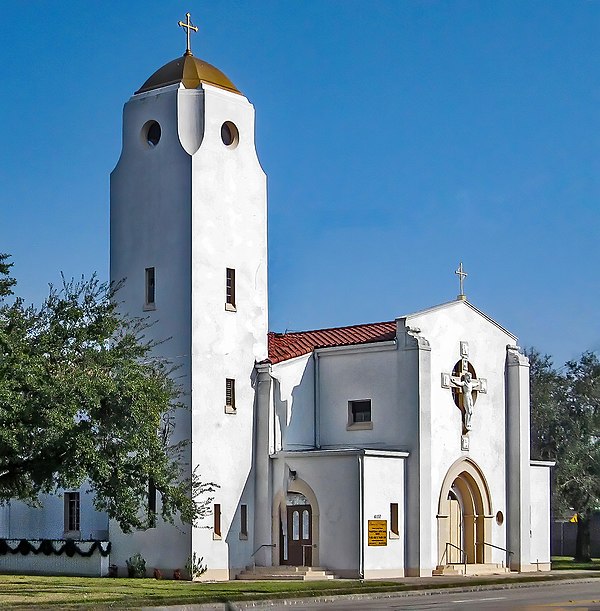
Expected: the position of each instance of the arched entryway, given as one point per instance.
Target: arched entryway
(296, 526)
(464, 515)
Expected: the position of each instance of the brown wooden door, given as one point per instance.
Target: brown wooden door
(299, 539)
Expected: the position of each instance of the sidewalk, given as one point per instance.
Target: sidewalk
(408, 586)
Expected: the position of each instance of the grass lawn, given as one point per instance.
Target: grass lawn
(47, 592)
(24, 592)
(561, 563)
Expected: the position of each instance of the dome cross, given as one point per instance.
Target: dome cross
(188, 26)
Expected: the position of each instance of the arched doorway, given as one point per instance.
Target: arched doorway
(296, 526)
(464, 515)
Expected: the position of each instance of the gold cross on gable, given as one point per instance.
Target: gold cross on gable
(461, 275)
(188, 29)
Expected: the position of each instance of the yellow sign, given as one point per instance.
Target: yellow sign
(377, 533)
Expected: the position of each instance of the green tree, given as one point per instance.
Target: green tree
(82, 398)
(565, 427)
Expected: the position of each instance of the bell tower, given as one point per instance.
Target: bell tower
(188, 233)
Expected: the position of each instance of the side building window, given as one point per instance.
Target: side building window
(72, 512)
(151, 503)
(230, 396)
(216, 521)
(150, 289)
(359, 415)
(230, 290)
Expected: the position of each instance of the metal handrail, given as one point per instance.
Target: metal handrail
(263, 545)
(497, 547)
(258, 549)
(462, 551)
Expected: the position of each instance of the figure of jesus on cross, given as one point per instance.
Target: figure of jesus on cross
(467, 387)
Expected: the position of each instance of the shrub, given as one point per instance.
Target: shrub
(136, 566)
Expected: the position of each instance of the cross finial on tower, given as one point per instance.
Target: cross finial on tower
(188, 28)
(461, 276)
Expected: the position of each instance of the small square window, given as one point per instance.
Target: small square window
(230, 396)
(150, 289)
(359, 414)
(230, 289)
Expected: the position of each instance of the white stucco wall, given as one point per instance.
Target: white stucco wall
(540, 514)
(383, 485)
(293, 401)
(21, 521)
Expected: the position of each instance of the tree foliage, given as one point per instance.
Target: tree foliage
(565, 427)
(82, 398)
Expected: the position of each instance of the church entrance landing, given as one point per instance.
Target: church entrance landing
(464, 516)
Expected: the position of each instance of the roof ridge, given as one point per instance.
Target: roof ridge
(365, 324)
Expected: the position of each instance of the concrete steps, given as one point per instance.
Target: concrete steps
(472, 569)
(286, 573)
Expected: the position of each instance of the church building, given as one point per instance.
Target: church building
(391, 449)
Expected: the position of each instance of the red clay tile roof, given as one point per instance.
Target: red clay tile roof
(284, 346)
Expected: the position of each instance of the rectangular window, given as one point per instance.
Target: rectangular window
(150, 287)
(230, 289)
(151, 498)
(359, 415)
(229, 396)
(244, 522)
(361, 411)
(394, 531)
(216, 521)
(72, 511)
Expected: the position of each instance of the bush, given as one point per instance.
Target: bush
(136, 566)
(194, 566)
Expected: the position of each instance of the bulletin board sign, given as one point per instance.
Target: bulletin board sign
(377, 531)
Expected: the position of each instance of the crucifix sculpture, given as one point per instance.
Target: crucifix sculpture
(188, 26)
(466, 385)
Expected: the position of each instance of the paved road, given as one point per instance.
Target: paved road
(569, 596)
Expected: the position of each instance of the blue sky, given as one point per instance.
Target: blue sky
(398, 138)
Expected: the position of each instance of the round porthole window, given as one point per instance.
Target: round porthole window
(229, 134)
(499, 518)
(151, 133)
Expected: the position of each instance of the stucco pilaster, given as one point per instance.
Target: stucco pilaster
(262, 475)
(414, 354)
(517, 458)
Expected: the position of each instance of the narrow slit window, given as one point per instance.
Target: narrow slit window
(230, 396)
(72, 511)
(230, 289)
(151, 498)
(394, 519)
(244, 520)
(150, 286)
(217, 520)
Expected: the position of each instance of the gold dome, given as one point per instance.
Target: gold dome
(190, 71)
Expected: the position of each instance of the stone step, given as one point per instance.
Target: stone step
(472, 569)
(293, 573)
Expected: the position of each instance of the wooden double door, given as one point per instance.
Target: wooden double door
(299, 536)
